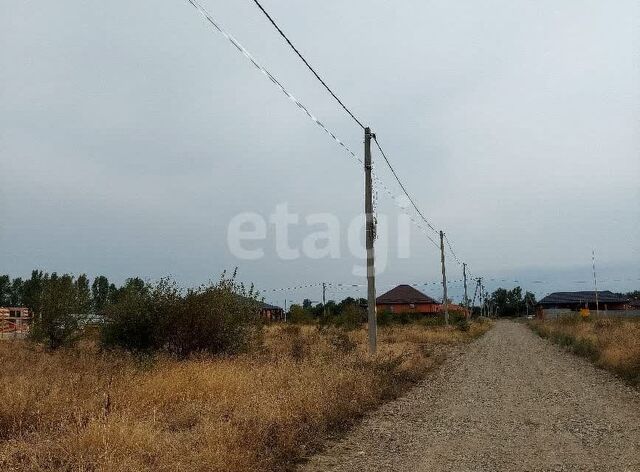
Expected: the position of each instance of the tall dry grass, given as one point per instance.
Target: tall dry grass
(612, 343)
(86, 410)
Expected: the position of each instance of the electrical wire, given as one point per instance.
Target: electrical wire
(451, 249)
(307, 63)
(207, 16)
(424, 218)
(275, 25)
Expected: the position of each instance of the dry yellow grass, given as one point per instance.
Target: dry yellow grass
(612, 343)
(85, 410)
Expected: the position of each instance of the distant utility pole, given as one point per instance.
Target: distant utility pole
(595, 281)
(466, 297)
(369, 236)
(285, 310)
(324, 298)
(444, 280)
(475, 292)
(481, 300)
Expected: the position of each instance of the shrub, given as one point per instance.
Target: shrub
(216, 318)
(341, 341)
(299, 315)
(431, 320)
(352, 317)
(132, 322)
(385, 318)
(221, 318)
(463, 325)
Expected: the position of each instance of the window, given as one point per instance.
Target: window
(412, 306)
(15, 313)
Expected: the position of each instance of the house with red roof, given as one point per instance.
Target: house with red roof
(406, 299)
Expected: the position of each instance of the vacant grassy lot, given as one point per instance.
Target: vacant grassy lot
(86, 410)
(612, 343)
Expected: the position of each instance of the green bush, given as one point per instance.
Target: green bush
(456, 317)
(221, 318)
(133, 322)
(300, 315)
(431, 320)
(463, 325)
(218, 319)
(351, 317)
(385, 318)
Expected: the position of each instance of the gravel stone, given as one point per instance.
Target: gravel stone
(509, 401)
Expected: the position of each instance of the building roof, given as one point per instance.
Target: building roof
(404, 294)
(605, 296)
(267, 306)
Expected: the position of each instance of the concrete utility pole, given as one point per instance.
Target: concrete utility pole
(475, 292)
(466, 297)
(595, 281)
(370, 236)
(444, 280)
(324, 298)
(480, 297)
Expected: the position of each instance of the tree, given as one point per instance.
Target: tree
(135, 284)
(511, 302)
(5, 290)
(17, 288)
(131, 321)
(297, 314)
(83, 294)
(60, 304)
(529, 300)
(101, 293)
(32, 291)
(634, 295)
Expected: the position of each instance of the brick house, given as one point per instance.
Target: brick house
(271, 312)
(14, 319)
(406, 299)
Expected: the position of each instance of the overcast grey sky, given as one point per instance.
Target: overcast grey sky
(131, 133)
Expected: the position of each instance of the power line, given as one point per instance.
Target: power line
(451, 249)
(402, 208)
(402, 185)
(275, 25)
(307, 63)
(207, 16)
(345, 108)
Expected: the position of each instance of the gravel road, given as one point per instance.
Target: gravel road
(509, 401)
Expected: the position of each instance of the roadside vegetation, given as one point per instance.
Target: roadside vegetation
(87, 408)
(611, 343)
(151, 377)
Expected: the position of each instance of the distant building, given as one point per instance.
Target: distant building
(14, 319)
(271, 312)
(567, 303)
(406, 299)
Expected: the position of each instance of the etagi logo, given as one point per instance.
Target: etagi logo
(323, 239)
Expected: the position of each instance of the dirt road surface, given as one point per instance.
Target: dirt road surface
(510, 401)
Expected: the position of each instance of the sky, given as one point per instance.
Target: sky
(132, 134)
